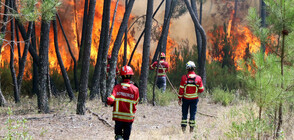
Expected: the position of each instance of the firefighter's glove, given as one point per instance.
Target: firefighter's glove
(180, 102)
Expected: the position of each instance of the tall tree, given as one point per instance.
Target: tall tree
(81, 108)
(63, 71)
(13, 73)
(202, 72)
(4, 22)
(103, 74)
(84, 31)
(146, 52)
(2, 98)
(35, 65)
(263, 16)
(102, 42)
(116, 47)
(126, 40)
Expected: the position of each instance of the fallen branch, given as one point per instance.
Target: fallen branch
(206, 114)
(38, 118)
(100, 118)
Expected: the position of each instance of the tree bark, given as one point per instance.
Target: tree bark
(202, 72)
(139, 39)
(116, 47)
(63, 71)
(43, 68)
(35, 64)
(84, 32)
(146, 53)
(126, 40)
(2, 99)
(103, 39)
(5, 18)
(104, 58)
(81, 108)
(71, 54)
(200, 11)
(22, 63)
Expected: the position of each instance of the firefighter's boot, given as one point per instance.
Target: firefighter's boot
(191, 129)
(118, 137)
(184, 129)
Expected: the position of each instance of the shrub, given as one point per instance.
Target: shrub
(161, 98)
(221, 96)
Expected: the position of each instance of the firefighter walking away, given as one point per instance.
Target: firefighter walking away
(162, 69)
(124, 99)
(191, 85)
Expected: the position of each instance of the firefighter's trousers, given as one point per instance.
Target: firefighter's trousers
(123, 129)
(186, 106)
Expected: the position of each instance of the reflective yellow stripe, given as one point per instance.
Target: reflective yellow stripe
(131, 108)
(160, 74)
(182, 86)
(200, 88)
(125, 100)
(124, 114)
(126, 85)
(123, 117)
(191, 95)
(180, 95)
(192, 75)
(184, 122)
(112, 97)
(190, 85)
(116, 105)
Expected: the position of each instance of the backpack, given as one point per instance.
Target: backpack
(191, 82)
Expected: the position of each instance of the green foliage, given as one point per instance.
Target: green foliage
(255, 25)
(28, 10)
(221, 96)
(48, 9)
(16, 129)
(161, 98)
(248, 128)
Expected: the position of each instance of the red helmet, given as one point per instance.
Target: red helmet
(162, 55)
(126, 70)
(108, 57)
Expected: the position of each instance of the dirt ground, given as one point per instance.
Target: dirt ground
(151, 123)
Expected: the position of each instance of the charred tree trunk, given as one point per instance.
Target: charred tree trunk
(116, 47)
(13, 74)
(126, 40)
(84, 31)
(139, 39)
(18, 44)
(71, 54)
(43, 68)
(263, 16)
(164, 33)
(2, 98)
(198, 35)
(200, 11)
(202, 72)
(64, 73)
(103, 39)
(81, 108)
(104, 59)
(35, 65)
(146, 52)
(5, 18)
(22, 63)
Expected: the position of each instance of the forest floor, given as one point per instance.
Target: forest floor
(151, 123)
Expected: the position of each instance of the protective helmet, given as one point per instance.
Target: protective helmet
(108, 57)
(126, 70)
(190, 65)
(162, 55)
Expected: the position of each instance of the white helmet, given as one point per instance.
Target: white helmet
(190, 65)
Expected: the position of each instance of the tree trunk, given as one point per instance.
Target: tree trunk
(76, 25)
(71, 54)
(22, 63)
(43, 68)
(35, 65)
(146, 52)
(63, 71)
(15, 85)
(81, 108)
(104, 59)
(18, 44)
(198, 35)
(103, 39)
(164, 33)
(139, 39)
(126, 40)
(202, 72)
(200, 11)
(5, 18)
(2, 98)
(84, 31)
(116, 47)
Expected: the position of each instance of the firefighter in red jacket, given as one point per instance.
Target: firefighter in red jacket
(124, 99)
(162, 69)
(108, 67)
(191, 85)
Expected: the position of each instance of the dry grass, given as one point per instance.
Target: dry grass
(151, 123)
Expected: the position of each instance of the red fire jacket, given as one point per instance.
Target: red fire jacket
(191, 85)
(163, 67)
(124, 99)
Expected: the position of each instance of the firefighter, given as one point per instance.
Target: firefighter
(124, 99)
(108, 67)
(163, 68)
(191, 85)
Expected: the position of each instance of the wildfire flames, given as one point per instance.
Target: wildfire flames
(73, 27)
(238, 37)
